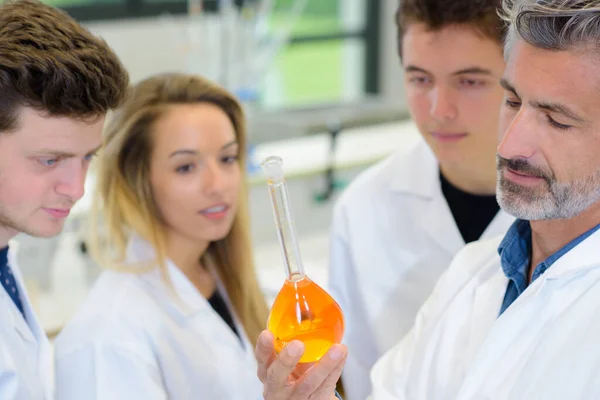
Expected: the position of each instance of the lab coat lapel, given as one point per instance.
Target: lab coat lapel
(13, 318)
(438, 221)
(184, 299)
(21, 326)
(192, 304)
(498, 225)
(487, 301)
(440, 225)
(583, 256)
(245, 342)
(178, 294)
(31, 329)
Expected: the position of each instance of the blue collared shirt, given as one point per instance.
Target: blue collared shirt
(515, 252)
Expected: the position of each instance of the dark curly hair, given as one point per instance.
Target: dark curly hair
(51, 63)
(482, 15)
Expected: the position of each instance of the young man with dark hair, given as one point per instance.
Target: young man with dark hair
(398, 225)
(57, 83)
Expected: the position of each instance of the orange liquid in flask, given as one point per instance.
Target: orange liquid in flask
(302, 310)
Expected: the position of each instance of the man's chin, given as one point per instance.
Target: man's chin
(521, 205)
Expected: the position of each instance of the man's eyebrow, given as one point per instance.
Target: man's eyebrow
(557, 108)
(414, 68)
(56, 153)
(545, 105)
(469, 70)
(473, 70)
(507, 86)
(63, 154)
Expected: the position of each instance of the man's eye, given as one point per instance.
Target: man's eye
(48, 162)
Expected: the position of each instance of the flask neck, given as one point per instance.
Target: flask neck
(285, 231)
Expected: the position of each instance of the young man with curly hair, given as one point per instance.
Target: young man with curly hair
(57, 83)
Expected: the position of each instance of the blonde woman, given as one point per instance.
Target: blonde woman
(178, 313)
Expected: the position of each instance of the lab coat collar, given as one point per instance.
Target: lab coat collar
(182, 295)
(28, 329)
(584, 256)
(31, 330)
(420, 181)
(416, 173)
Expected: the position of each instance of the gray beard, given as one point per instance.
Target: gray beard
(556, 200)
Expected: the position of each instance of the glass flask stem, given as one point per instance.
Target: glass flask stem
(273, 168)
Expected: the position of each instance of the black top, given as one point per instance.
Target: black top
(218, 304)
(472, 213)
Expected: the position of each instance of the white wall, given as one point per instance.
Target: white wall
(154, 45)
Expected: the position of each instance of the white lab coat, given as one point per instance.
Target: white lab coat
(393, 235)
(544, 346)
(25, 354)
(133, 339)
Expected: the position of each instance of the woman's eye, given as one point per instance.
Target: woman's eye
(185, 168)
(230, 159)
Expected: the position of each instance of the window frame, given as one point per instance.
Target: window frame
(131, 9)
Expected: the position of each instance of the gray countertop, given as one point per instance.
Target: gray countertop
(273, 125)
